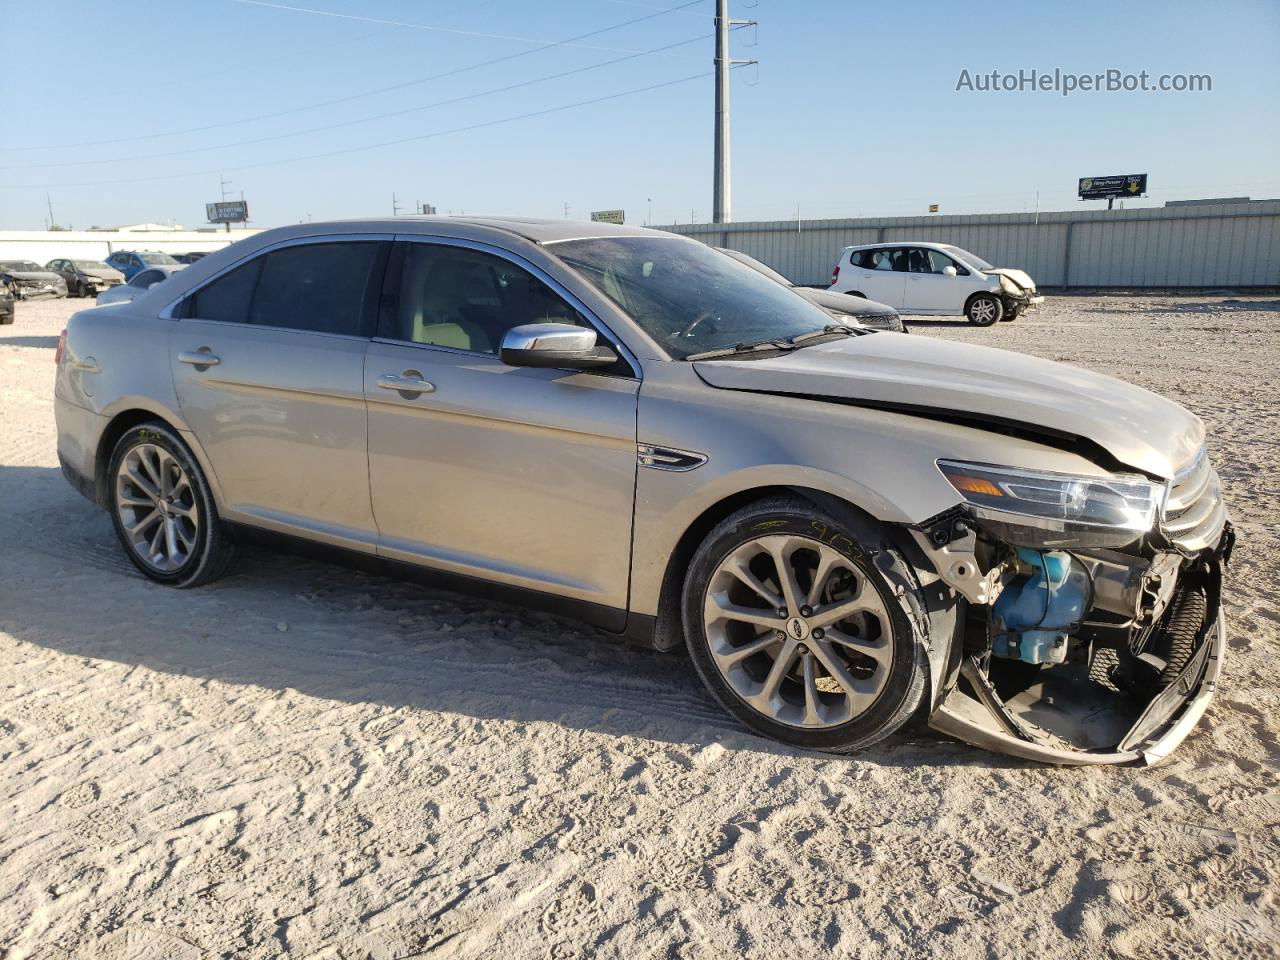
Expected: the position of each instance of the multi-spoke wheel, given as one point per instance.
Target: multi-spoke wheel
(797, 633)
(984, 310)
(163, 511)
(157, 507)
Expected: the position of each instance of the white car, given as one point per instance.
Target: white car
(142, 281)
(934, 278)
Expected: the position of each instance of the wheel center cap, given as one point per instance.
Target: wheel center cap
(798, 628)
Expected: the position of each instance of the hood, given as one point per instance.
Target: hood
(1019, 277)
(922, 375)
(102, 273)
(845, 303)
(44, 276)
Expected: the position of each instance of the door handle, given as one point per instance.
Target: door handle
(405, 383)
(199, 358)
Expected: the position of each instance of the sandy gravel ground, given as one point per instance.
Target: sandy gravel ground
(301, 761)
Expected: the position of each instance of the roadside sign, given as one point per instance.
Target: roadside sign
(933, 208)
(1107, 188)
(608, 216)
(227, 211)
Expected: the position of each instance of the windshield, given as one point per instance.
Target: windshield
(90, 265)
(757, 266)
(970, 258)
(22, 266)
(687, 296)
(156, 258)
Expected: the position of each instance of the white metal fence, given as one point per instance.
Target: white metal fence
(1201, 245)
(45, 245)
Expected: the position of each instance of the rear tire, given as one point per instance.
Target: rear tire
(163, 510)
(984, 310)
(846, 666)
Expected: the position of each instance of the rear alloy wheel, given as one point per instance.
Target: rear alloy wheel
(984, 310)
(163, 510)
(797, 633)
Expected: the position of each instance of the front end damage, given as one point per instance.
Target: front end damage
(1087, 614)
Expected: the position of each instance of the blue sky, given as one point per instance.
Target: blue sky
(852, 111)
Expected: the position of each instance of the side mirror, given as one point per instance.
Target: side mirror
(554, 345)
(949, 271)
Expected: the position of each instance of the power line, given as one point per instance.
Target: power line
(368, 146)
(423, 26)
(547, 45)
(359, 120)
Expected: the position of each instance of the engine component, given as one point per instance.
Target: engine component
(1041, 607)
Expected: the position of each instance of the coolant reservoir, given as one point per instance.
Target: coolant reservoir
(1038, 610)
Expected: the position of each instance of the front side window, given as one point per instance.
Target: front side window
(938, 261)
(687, 296)
(971, 258)
(468, 300)
(146, 278)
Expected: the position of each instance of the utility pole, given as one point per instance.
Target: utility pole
(721, 204)
(395, 205)
(52, 222)
(223, 183)
(566, 209)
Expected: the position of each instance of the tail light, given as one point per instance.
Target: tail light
(835, 274)
(62, 345)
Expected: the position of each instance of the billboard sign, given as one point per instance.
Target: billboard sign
(608, 216)
(227, 211)
(1107, 188)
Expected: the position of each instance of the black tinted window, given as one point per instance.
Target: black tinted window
(320, 287)
(454, 297)
(227, 298)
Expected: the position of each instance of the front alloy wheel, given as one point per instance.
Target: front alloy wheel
(984, 310)
(797, 633)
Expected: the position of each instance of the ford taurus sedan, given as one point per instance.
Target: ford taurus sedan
(843, 527)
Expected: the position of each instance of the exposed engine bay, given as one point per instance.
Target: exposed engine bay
(1072, 646)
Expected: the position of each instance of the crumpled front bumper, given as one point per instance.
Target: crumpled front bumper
(1163, 725)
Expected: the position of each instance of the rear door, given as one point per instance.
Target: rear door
(521, 476)
(881, 274)
(268, 361)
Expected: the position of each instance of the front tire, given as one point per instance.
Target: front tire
(163, 509)
(793, 622)
(984, 310)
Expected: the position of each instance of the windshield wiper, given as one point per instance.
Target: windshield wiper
(737, 349)
(776, 344)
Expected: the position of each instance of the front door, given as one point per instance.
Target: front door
(269, 368)
(928, 289)
(521, 476)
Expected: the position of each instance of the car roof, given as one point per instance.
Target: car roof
(532, 229)
(930, 244)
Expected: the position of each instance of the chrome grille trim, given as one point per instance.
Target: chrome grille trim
(1194, 514)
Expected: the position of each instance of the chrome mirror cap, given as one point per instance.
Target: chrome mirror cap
(554, 345)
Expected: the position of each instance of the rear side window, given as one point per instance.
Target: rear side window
(319, 287)
(227, 298)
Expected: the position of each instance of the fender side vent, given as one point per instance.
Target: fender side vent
(668, 458)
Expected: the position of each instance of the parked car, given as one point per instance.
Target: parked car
(30, 281)
(140, 284)
(86, 278)
(6, 303)
(130, 262)
(842, 306)
(625, 426)
(189, 258)
(935, 278)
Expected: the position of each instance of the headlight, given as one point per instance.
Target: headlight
(1030, 508)
(1009, 287)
